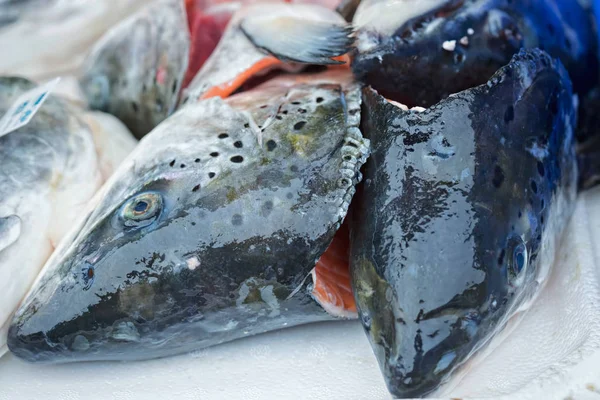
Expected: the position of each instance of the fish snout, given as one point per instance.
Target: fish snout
(50, 326)
(69, 341)
(424, 355)
(29, 343)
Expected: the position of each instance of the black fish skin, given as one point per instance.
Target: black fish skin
(231, 234)
(460, 206)
(413, 67)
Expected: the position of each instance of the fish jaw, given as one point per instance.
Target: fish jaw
(136, 70)
(239, 216)
(461, 44)
(455, 228)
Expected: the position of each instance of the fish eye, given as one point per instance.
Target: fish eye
(141, 210)
(518, 261)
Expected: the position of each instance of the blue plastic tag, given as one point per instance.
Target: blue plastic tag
(25, 107)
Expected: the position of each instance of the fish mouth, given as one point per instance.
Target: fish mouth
(437, 54)
(42, 347)
(432, 362)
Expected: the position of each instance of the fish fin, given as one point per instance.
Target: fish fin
(331, 286)
(10, 230)
(298, 40)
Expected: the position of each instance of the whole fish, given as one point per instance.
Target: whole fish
(208, 232)
(420, 52)
(456, 227)
(48, 171)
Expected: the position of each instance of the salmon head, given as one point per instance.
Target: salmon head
(419, 52)
(136, 70)
(206, 233)
(455, 229)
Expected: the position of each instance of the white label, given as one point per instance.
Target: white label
(25, 107)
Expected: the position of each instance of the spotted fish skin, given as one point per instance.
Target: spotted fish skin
(136, 70)
(455, 229)
(203, 235)
(458, 44)
(48, 172)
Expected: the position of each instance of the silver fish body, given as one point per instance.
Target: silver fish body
(48, 171)
(455, 229)
(206, 233)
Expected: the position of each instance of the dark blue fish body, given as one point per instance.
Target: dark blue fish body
(455, 228)
(456, 45)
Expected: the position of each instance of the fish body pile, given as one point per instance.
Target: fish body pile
(412, 164)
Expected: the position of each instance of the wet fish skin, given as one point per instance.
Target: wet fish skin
(456, 45)
(455, 228)
(136, 70)
(48, 171)
(241, 197)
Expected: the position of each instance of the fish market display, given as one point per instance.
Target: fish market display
(473, 121)
(207, 232)
(48, 171)
(419, 52)
(459, 217)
